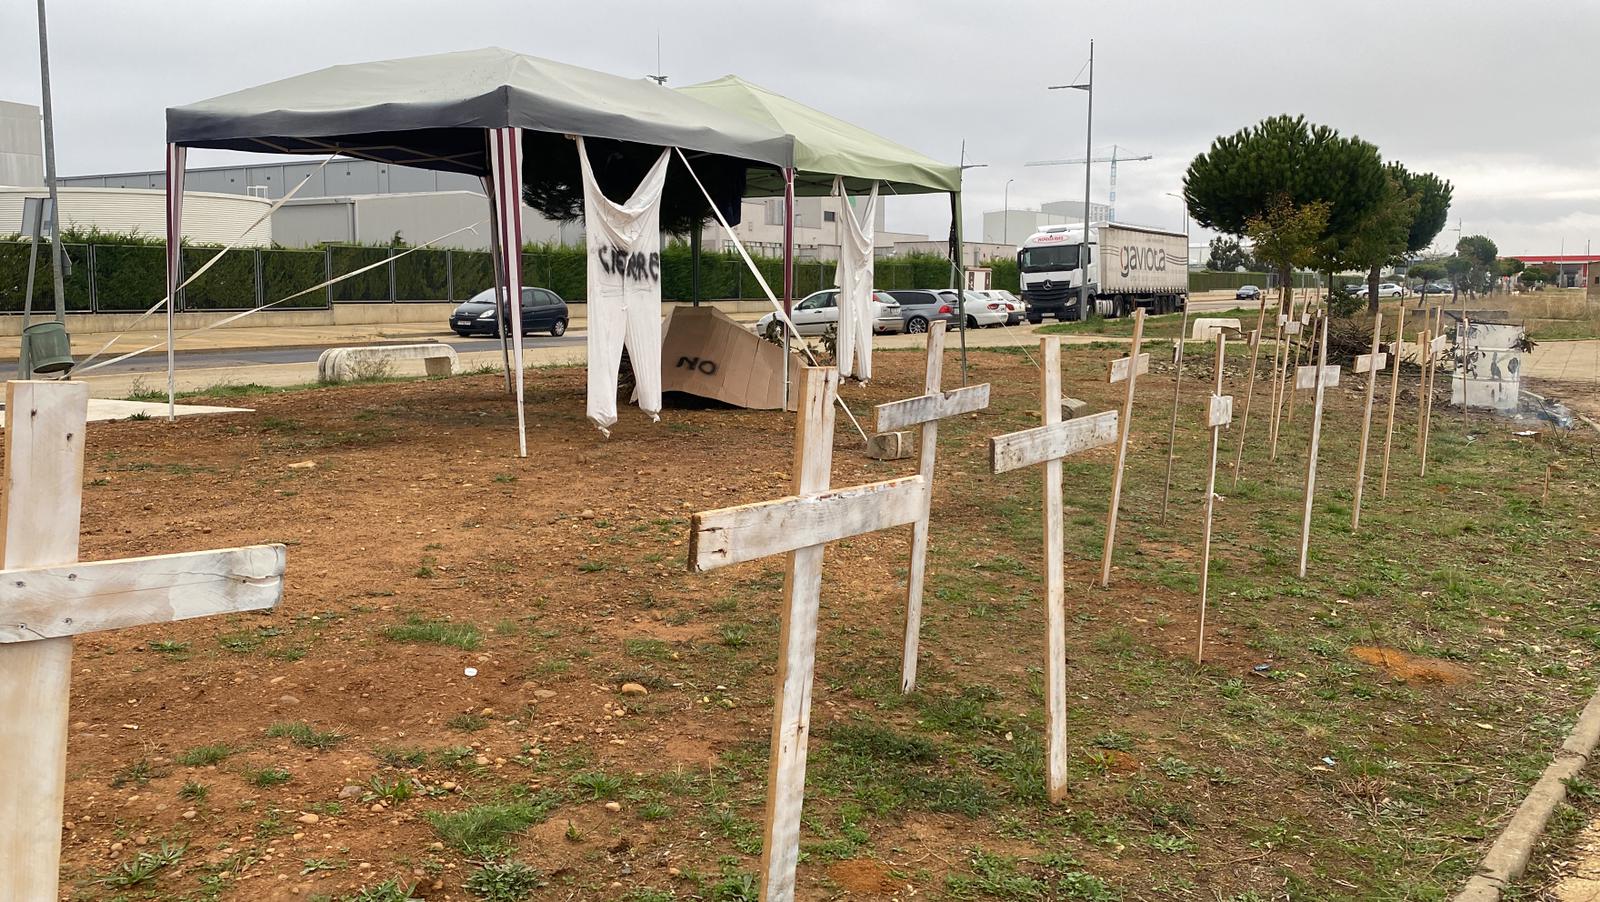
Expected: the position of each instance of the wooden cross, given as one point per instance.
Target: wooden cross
(800, 525)
(1435, 341)
(1369, 363)
(1318, 378)
(1124, 369)
(1047, 445)
(46, 599)
(1394, 395)
(1307, 349)
(927, 410)
(1177, 391)
(1288, 328)
(1219, 413)
(1250, 384)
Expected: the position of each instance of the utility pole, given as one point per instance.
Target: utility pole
(1088, 169)
(56, 253)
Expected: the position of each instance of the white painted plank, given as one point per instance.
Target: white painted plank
(1119, 469)
(933, 406)
(1220, 412)
(68, 600)
(1057, 761)
(733, 535)
(1293, 328)
(1438, 343)
(1052, 441)
(43, 495)
(1306, 377)
(1369, 362)
(932, 382)
(1119, 367)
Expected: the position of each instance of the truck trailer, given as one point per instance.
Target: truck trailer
(1130, 266)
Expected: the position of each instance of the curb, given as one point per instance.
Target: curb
(1508, 857)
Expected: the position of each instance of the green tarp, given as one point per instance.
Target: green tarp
(826, 146)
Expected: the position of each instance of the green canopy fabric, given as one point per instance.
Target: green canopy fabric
(825, 146)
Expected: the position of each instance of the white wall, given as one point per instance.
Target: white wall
(21, 145)
(210, 218)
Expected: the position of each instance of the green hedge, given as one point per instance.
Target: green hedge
(14, 277)
(285, 271)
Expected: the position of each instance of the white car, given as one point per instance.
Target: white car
(820, 309)
(1013, 304)
(981, 311)
(1385, 289)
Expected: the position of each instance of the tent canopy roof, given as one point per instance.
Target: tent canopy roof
(429, 111)
(825, 146)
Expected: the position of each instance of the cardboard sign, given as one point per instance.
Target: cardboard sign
(706, 353)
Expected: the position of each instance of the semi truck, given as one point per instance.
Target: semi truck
(1129, 266)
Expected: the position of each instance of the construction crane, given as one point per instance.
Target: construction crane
(1115, 158)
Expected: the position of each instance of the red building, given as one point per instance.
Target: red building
(1572, 270)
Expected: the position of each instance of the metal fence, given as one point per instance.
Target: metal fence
(123, 278)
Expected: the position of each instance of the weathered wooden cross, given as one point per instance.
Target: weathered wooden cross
(46, 598)
(1219, 413)
(1123, 369)
(1394, 396)
(1177, 393)
(800, 525)
(926, 410)
(1318, 378)
(1288, 328)
(1430, 348)
(1250, 384)
(1047, 445)
(1370, 363)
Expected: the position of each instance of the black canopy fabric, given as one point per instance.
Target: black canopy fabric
(430, 112)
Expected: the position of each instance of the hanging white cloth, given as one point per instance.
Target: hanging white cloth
(854, 278)
(624, 247)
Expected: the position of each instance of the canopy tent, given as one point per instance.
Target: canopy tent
(825, 147)
(481, 112)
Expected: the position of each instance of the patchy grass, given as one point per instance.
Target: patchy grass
(203, 755)
(485, 829)
(304, 735)
(464, 636)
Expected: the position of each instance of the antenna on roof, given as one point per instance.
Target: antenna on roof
(660, 77)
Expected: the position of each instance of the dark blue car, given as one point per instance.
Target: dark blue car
(542, 311)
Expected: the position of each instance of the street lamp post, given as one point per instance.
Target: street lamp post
(1005, 214)
(56, 252)
(1088, 168)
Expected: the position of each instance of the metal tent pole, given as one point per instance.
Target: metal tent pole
(497, 263)
(788, 272)
(958, 274)
(694, 264)
(175, 162)
(56, 252)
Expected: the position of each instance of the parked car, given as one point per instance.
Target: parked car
(1437, 288)
(1385, 289)
(981, 312)
(1248, 293)
(820, 309)
(1014, 312)
(542, 311)
(921, 306)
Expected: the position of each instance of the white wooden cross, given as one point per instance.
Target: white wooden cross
(1319, 378)
(1369, 363)
(1047, 445)
(1288, 328)
(1219, 413)
(927, 410)
(1124, 369)
(46, 598)
(800, 525)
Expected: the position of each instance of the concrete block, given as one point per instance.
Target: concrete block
(346, 364)
(890, 446)
(1072, 408)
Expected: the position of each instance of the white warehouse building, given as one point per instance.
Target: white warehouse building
(208, 218)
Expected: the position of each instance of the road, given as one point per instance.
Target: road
(156, 362)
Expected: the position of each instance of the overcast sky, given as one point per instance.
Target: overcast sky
(1498, 98)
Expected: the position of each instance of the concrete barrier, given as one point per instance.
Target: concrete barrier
(346, 364)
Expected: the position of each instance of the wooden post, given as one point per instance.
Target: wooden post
(1128, 368)
(801, 526)
(1306, 351)
(1369, 363)
(1177, 390)
(1434, 345)
(1319, 378)
(927, 410)
(46, 598)
(1250, 385)
(1291, 326)
(1219, 413)
(1394, 395)
(1544, 497)
(1047, 445)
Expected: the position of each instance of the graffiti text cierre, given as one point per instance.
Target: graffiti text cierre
(1148, 259)
(638, 266)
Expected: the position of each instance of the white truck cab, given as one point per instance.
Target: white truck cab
(1148, 268)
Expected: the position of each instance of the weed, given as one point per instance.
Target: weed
(267, 776)
(1114, 740)
(733, 635)
(138, 773)
(390, 890)
(169, 647)
(142, 867)
(313, 865)
(304, 735)
(203, 755)
(655, 811)
(392, 792)
(599, 785)
(467, 722)
(193, 792)
(483, 829)
(464, 636)
(504, 881)
(401, 757)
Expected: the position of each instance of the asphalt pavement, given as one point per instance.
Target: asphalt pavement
(156, 361)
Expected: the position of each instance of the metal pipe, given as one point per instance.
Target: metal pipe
(1088, 167)
(56, 252)
(788, 272)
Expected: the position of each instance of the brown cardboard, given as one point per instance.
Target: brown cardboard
(706, 353)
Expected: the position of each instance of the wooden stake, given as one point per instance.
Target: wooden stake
(1319, 378)
(1172, 433)
(1544, 497)
(1218, 414)
(1394, 395)
(926, 410)
(1250, 385)
(1306, 351)
(1369, 363)
(48, 598)
(800, 526)
(1435, 343)
(1136, 363)
(1046, 445)
(1280, 362)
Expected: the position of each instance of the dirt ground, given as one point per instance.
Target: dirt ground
(442, 686)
